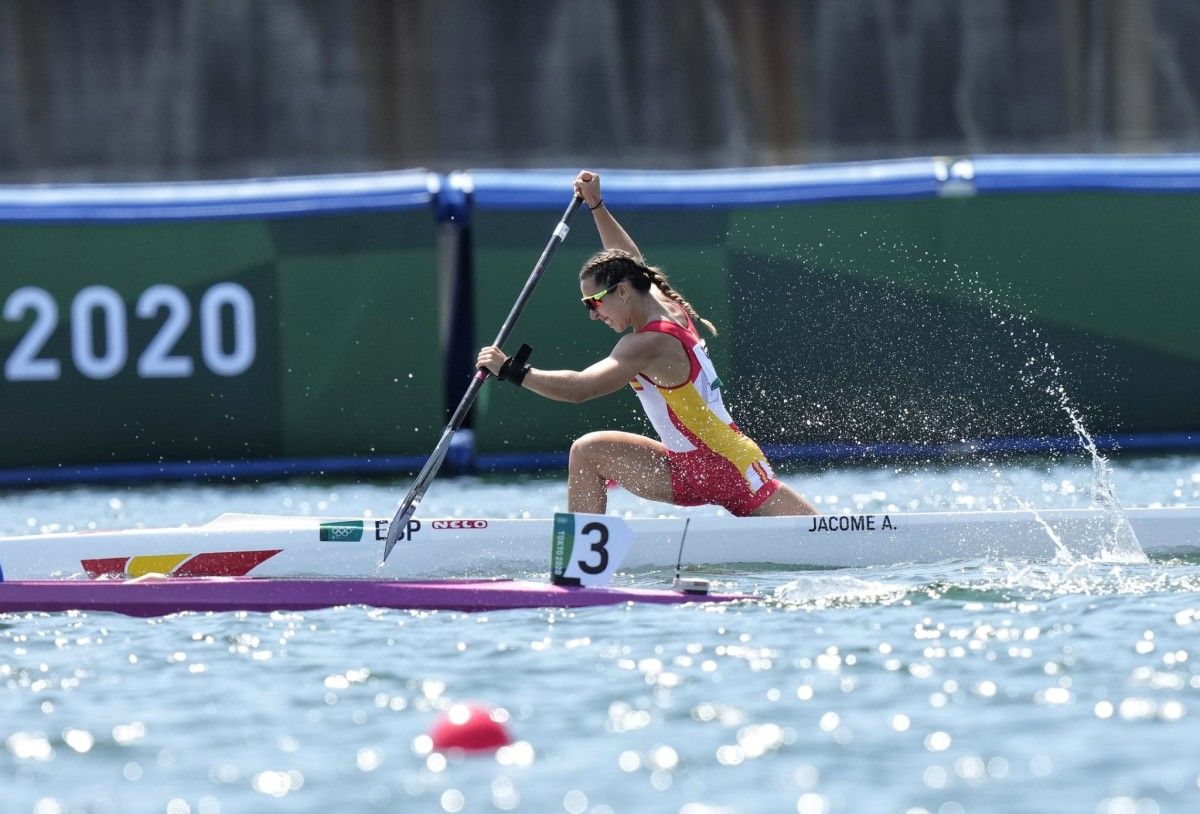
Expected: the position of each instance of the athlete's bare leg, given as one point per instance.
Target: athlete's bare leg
(785, 501)
(637, 462)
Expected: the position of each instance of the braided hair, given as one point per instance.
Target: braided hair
(613, 266)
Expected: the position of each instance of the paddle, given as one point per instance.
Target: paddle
(429, 471)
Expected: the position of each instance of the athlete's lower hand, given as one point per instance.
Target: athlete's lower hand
(490, 359)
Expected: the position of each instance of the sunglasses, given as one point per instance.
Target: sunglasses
(591, 301)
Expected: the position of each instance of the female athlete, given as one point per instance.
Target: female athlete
(701, 456)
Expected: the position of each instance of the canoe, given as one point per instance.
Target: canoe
(331, 548)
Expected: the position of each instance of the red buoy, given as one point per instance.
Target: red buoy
(472, 728)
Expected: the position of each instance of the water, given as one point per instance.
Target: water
(966, 686)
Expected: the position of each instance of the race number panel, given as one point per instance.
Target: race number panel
(587, 549)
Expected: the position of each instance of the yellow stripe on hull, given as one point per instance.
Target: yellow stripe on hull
(154, 564)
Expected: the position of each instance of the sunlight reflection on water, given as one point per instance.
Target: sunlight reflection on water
(978, 685)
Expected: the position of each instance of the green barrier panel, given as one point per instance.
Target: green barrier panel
(813, 333)
(555, 324)
(1113, 278)
(947, 320)
(176, 340)
(362, 365)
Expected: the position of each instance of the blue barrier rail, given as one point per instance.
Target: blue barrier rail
(1060, 173)
(860, 453)
(463, 460)
(220, 200)
(641, 189)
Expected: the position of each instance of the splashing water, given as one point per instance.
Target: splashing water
(821, 592)
(1114, 530)
(1123, 541)
(955, 358)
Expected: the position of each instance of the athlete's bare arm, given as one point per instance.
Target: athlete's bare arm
(632, 353)
(612, 234)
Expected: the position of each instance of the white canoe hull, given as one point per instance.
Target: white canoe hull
(292, 547)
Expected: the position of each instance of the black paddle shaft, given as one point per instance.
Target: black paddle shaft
(408, 508)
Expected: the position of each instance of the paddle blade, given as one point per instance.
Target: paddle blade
(398, 525)
(413, 499)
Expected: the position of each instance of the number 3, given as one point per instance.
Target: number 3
(598, 547)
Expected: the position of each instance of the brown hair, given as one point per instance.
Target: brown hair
(613, 266)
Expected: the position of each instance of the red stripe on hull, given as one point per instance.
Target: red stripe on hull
(106, 567)
(223, 563)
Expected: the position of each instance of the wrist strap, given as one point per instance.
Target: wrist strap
(514, 367)
(599, 204)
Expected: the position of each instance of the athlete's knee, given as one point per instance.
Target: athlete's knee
(786, 501)
(585, 447)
